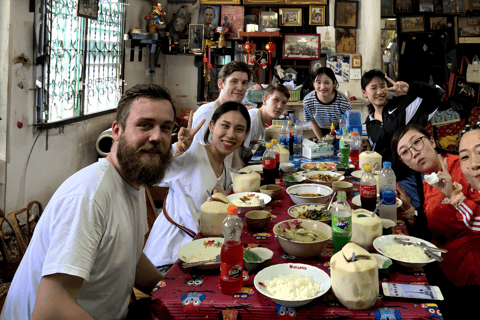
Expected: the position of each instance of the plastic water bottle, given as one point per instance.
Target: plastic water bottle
(355, 145)
(343, 123)
(290, 133)
(341, 222)
(298, 140)
(276, 150)
(231, 255)
(368, 189)
(284, 135)
(386, 184)
(269, 165)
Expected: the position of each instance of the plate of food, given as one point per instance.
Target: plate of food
(311, 211)
(201, 250)
(248, 199)
(405, 255)
(357, 201)
(319, 166)
(323, 177)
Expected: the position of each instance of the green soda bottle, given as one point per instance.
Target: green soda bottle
(341, 222)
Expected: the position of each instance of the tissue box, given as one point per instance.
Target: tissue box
(317, 150)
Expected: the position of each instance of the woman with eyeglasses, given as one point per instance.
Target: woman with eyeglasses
(414, 147)
(193, 173)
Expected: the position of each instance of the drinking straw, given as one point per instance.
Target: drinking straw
(209, 194)
(376, 209)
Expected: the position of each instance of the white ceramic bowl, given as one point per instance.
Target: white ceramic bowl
(203, 249)
(308, 177)
(246, 208)
(277, 270)
(287, 166)
(324, 192)
(296, 210)
(381, 242)
(303, 249)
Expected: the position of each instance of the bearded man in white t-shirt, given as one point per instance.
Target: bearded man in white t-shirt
(85, 255)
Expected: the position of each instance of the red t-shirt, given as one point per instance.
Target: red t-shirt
(452, 230)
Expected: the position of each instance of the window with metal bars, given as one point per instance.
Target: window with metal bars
(79, 60)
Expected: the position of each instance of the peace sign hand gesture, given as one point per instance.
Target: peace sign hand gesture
(186, 135)
(400, 87)
(445, 186)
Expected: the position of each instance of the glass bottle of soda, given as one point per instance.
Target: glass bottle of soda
(269, 165)
(277, 158)
(231, 255)
(368, 189)
(341, 222)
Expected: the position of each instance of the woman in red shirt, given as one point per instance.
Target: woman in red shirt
(413, 146)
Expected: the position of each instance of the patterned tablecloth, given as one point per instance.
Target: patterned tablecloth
(195, 294)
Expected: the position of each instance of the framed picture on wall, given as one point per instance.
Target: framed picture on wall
(346, 14)
(390, 24)
(474, 4)
(412, 24)
(268, 19)
(346, 41)
(465, 90)
(405, 6)
(298, 2)
(425, 5)
(87, 9)
(387, 8)
(301, 46)
(219, 1)
(450, 6)
(290, 17)
(467, 29)
(209, 16)
(196, 33)
(316, 15)
(437, 23)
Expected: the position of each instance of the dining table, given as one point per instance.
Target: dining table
(191, 293)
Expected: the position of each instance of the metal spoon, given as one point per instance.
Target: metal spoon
(331, 200)
(423, 244)
(430, 254)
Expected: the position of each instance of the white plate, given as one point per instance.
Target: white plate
(277, 270)
(256, 168)
(266, 198)
(272, 29)
(356, 201)
(384, 241)
(205, 248)
(359, 173)
(307, 175)
(319, 166)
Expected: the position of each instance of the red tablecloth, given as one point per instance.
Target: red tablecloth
(195, 294)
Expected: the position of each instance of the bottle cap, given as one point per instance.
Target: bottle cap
(268, 144)
(298, 121)
(341, 195)
(367, 167)
(285, 121)
(353, 133)
(274, 141)
(332, 127)
(387, 164)
(232, 209)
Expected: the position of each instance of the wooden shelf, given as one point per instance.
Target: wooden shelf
(295, 103)
(276, 34)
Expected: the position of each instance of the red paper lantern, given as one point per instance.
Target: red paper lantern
(247, 46)
(270, 47)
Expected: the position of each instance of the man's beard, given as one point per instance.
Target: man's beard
(139, 171)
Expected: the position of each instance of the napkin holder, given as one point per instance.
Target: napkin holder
(312, 150)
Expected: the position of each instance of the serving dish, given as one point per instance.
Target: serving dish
(296, 210)
(327, 175)
(274, 271)
(302, 249)
(324, 193)
(202, 249)
(382, 242)
(318, 166)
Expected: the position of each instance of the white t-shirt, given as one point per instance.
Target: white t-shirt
(206, 112)
(257, 129)
(189, 177)
(93, 227)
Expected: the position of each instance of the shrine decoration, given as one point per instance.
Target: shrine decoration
(248, 46)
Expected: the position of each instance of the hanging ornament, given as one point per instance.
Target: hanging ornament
(209, 58)
(270, 47)
(263, 63)
(248, 46)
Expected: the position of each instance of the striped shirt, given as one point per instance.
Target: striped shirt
(325, 114)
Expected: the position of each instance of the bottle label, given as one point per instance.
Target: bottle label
(269, 164)
(368, 191)
(342, 224)
(298, 139)
(388, 197)
(230, 271)
(283, 140)
(277, 157)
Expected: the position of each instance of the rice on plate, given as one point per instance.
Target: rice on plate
(406, 253)
(292, 287)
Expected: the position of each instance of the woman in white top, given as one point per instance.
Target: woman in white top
(195, 171)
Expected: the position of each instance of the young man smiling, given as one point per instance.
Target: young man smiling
(86, 253)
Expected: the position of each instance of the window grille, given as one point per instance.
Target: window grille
(79, 60)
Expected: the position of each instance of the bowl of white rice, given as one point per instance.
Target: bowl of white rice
(406, 255)
(292, 284)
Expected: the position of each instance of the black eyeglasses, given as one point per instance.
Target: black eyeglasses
(417, 145)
